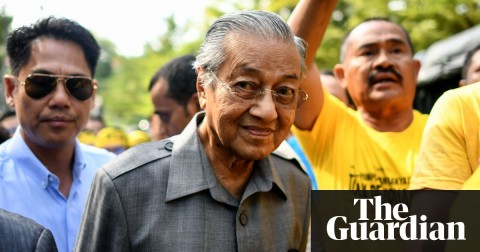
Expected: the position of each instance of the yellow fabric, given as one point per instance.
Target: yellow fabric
(111, 137)
(473, 182)
(450, 148)
(86, 137)
(346, 154)
(137, 137)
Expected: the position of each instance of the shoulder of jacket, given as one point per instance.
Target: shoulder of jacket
(139, 156)
(285, 152)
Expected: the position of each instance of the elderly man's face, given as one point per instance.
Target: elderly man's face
(251, 128)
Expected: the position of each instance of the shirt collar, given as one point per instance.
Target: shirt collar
(191, 172)
(24, 158)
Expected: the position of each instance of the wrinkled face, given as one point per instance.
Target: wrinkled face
(173, 116)
(55, 120)
(378, 67)
(249, 129)
(473, 71)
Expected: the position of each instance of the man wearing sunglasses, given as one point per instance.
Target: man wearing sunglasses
(45, 173)
(216, 186)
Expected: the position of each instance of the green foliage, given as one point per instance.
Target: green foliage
(126, 97)
(5, 22)
(427, 21)
(125, 91)
(123, 81)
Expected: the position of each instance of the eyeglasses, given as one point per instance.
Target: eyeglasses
(38, 85)
(286, 97)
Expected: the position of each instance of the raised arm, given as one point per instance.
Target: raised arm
(309, 21)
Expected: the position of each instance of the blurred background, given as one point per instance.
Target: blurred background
(137, 37)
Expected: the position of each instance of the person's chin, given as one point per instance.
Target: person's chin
(60, 136)
(255, 152)
(386, 93)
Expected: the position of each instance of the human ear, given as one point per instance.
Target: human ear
(339, 72)
(9, 90)
(201, 88)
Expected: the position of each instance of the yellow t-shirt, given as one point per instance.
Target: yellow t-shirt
(473, 182)
(346, 154)
(450, 149)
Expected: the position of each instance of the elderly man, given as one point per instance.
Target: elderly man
(217, 186)
(45, 173)
(376, 146)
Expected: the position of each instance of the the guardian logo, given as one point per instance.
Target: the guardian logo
(389, 224)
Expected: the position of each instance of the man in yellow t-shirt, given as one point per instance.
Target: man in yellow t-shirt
(447, 162)
(375, 147)
(450, 150)
(352, 155)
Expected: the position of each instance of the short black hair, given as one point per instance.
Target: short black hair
(407, 35)
(4, 134)
(468, 61)
(181, 78)
(19, 42)
(98, 118)
(327, 72)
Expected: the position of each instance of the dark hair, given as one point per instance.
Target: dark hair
(4, 134)
(97, 118)
(181, 78)
(19, 42)
(6, 114)
(327, 72)
(468, 61)
(343, 49)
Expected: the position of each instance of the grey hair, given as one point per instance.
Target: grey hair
(265, 25)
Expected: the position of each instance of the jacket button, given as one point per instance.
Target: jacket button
(169, 146)
(243, 219)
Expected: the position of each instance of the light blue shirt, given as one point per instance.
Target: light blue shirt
(28, 188)
(293, 142)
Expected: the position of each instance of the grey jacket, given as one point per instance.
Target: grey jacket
(164, 196)
(19, 234)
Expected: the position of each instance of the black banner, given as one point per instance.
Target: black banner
(395, 221)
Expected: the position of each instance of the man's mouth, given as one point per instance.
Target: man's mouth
(384, 77)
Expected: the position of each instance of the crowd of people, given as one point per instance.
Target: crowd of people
(241, 133)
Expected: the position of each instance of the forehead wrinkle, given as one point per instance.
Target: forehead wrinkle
(376, 28)
(245, 69)
(246, 62)
(395, 41)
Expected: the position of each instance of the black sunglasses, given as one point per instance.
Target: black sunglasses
(39, 85)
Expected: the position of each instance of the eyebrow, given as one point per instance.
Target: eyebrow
(245, 69)
(396, 41)
(42, 71)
